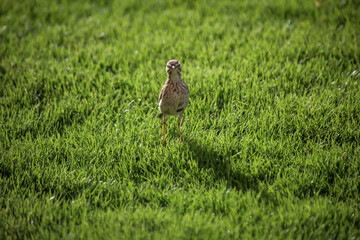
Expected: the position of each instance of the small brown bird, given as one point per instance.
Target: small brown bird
(174, 96)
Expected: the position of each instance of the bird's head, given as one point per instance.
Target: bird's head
(173, 67)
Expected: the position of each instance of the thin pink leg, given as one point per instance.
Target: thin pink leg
(164, 122)
(179, 122)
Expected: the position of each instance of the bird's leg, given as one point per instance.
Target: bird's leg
(164, 122)
(179, 122)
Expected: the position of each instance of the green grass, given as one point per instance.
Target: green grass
(271, 136)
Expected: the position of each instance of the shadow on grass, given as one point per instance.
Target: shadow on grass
(236, 175)
(221, 167)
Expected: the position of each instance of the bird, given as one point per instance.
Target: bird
(174, 95)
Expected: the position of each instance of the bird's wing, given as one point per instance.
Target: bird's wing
(160, 95)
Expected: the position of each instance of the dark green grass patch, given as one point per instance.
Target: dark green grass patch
(271, 136)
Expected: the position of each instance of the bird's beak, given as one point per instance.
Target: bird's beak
(173, 66)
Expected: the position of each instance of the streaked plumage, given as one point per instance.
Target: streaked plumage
(174, 96)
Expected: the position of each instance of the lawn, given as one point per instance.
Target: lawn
(271, 137)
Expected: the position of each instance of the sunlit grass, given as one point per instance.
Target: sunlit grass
(271, 135)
